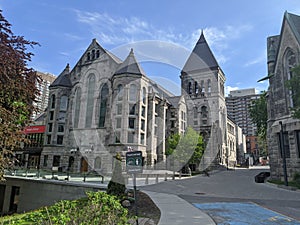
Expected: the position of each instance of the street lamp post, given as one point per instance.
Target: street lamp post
(283, 155)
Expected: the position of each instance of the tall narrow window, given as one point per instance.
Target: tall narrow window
(103, 105)
(90, 101)
(120, 92)
(144, 95)
(202, 87)
(291, 63)
(190, 88)
(63, 103)
(204, 111)
(52, 101)
(77, 107)
(195, 113)
(196, 88)
(209, 86)
(132, 92)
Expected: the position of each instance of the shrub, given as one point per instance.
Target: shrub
(98, 208)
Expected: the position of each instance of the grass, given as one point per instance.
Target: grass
(294, 183)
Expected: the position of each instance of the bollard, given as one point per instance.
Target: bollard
(156, 180)
(166, 176)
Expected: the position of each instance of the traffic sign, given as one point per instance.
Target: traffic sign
(134, 162)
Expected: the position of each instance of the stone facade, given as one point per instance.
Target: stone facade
(283, 54)
(105, 105)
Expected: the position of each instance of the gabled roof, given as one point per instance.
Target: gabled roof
(174, 101)
(201, 57)
(130, 66)
(63, 79)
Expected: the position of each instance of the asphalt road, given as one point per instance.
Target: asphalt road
(233, 186)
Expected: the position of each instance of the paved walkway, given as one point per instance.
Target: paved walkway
(176, 211)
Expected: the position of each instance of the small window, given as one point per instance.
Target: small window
(93, 54)
(97, 54)
(131, 122)
(61, 128)
(120, 92)
(52, 101)
(56, 160)
(144, 95)
(130, 137)
(143, 125)
(48, 139)
(63, 103)
(132, 109)
(117, 137)
(142, 139)
(143, 111)
(119, 109)
(50, 127)
(118, 122)
(60, 139)
(88, 56)
(51, 115)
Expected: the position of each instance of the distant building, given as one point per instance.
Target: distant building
(42, 100)
(283, 54)
(238, 103)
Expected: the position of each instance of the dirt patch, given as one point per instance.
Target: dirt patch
(146, 209)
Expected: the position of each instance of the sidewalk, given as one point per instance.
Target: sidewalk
(176, 211)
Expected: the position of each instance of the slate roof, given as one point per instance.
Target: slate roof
(130, 66)
(201, 57)
(174, 101)
(63, 79)
(294, 22)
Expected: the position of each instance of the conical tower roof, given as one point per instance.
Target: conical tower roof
(63, 79)
(201, 57)
(130, 66)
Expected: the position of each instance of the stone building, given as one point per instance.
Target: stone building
(283, 54)
(202, 83)
(105, 105)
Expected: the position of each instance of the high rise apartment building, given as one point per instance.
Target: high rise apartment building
(43, 87)
(238, 103)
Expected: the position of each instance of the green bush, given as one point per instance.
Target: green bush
(98, 208)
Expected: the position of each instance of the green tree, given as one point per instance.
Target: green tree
(189, 148)
(294, 86)
(17, 91)
(116, 185)
(259, 115)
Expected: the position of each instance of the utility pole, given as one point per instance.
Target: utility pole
(283, 155)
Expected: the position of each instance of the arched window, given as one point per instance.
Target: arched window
(97, 54)
(290, 64)
(204, 112)
(88, 56)
(190, 88)
(120, 92)
(132, 93)
(97, 163)
(93, 54)
(202, 87)
(52, 101)
(103, 104)
(90, 101)
(63, 103)
(208, 86)
(144, 95)
(196, 88)
(77, 102)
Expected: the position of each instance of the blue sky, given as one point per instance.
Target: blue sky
(162, 33)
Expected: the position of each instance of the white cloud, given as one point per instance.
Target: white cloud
(260, 59)
(113, 30)
(229, 88)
